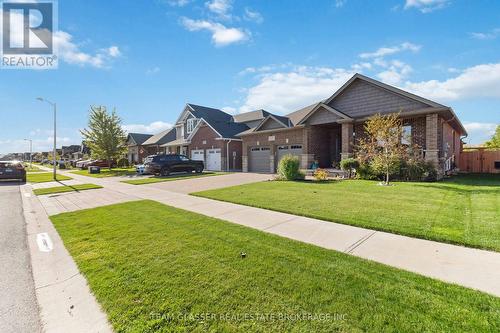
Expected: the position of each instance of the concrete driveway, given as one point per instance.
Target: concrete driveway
(210, 183)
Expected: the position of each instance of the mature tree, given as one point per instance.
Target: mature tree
(494, 142)
(105, 136)
(382, 144)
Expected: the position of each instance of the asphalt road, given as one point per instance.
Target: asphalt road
(18, 306)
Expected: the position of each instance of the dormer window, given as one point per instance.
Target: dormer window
(191, 124)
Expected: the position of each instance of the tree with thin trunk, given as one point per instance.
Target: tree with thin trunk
(494, 142)
(105, 136)
(382, 144)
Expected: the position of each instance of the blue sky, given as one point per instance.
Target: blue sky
(148, 58)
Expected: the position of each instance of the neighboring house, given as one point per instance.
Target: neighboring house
(68, 151)
(209, 135)
(135, 144)
(327, 131)
(154, 144)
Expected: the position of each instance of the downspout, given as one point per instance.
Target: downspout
(227, 154)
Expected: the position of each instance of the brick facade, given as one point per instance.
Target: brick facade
(273, 139)
(205, 138)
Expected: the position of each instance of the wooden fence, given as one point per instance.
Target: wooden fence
(480, 161)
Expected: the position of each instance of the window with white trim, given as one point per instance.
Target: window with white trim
(191, 124)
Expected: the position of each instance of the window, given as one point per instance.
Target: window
(183, 158)
(406, 137)
(296, 147)
(191, 124)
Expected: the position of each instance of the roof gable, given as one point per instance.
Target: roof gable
(323, 114)
(362, 96)
(273, 122)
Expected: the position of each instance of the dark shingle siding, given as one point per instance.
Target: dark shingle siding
(139, 138)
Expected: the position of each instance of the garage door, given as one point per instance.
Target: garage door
(213, 160)
(295, 150)
(198, 155)
(259, 159)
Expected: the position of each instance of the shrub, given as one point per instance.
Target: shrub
(123, 163)
(349, 164)
(430, 172)
(289, 168)
(320, 175)
(365, 171)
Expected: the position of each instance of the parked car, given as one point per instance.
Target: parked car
(166, 164)
(101, 163)
(141, 169)
(82, 164)
(12, 170)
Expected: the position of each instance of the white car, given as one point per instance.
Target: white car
(140, 169)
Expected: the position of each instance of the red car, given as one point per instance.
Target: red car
(101, 163)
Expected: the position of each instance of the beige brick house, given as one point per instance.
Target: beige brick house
(326, 131)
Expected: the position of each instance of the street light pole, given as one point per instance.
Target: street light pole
(31, 152)
(55, 132)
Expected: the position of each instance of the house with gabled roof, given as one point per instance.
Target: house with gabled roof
(326, 131)
(135, 144)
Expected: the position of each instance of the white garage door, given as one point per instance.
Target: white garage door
(259, 159)
(295, 150)
(213, 160)
(198, 155)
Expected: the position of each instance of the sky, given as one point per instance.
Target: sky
(147, 59)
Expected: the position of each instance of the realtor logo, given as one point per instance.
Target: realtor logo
(28, 34)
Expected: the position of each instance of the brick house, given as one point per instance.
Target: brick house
(326, 131)
(136, 149)
(210, 135)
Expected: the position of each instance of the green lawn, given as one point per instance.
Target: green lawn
(67, 188)
(463, 210)
(33, 168)
(156, 268)
(159, 179)
(43, 177)
(105, 172)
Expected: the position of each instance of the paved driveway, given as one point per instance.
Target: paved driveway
(210, 183)
(18, 306)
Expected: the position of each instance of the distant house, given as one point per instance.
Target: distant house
(68, 151)
(136, 150)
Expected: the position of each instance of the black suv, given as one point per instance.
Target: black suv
(12, 170)
(165, 164)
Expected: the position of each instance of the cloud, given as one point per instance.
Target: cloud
(230, 110)
(340, 3)
(385, 51)
(152, 128)
(479, 132)
(481, 81)
(395, 73)
(221, 35)
(67, 50)
(178, 3)
(220, 7)
(284, 92)
(493, 34)
(253, 15)
(153, 70)
(427, 6)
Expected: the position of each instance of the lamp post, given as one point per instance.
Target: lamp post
(55, 132)
(31, 152)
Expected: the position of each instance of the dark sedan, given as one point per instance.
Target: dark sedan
(166, 164)
(12, 170)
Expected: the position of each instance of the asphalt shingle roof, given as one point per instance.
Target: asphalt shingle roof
(139, 138)
(221, 121)
(251, 116)
(161, 138)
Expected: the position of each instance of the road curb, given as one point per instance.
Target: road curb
(65, 301)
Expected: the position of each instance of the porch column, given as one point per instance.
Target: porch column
(431, 139)
(347, 140)
(306, 158)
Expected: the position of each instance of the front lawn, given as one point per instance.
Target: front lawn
(160, 179)
(66, 188)
(463, 210)
(44, 177)
(106, 172)
(157, 268)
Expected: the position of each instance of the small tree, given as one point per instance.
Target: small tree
(349, 164)
(494, 142)
(105, 136)
(382, 144)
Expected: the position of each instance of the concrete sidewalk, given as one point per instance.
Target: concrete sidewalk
(468, 267)
(64, 298)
